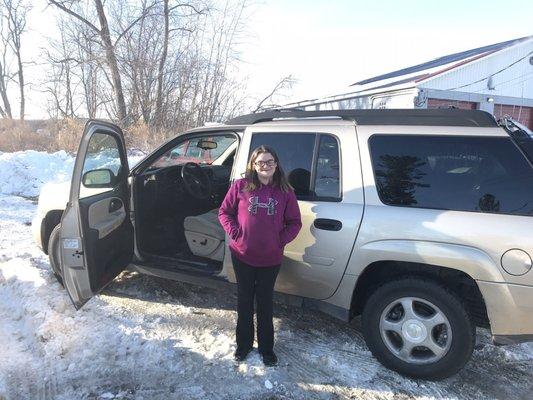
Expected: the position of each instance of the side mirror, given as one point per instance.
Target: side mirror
(174, 155)
(98, 178)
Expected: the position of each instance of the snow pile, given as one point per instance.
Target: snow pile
(23, 173)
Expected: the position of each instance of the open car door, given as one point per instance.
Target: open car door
(96, 238)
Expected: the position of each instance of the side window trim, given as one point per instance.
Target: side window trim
(314, 164)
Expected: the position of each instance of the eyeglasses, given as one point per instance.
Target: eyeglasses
(269, 163)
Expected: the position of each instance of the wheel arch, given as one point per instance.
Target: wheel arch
(51, 219)
(459, 282)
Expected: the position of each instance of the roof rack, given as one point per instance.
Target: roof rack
(437, 117)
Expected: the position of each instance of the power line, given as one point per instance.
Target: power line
(517, 83)
(496, 73)
(501, 85)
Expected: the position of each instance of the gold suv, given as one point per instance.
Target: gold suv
(420, 221)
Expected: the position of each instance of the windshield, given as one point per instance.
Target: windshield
(204, 150)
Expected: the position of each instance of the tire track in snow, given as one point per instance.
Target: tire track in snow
(27, 374)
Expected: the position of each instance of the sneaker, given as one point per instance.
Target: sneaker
(241, 354)
(270, 359)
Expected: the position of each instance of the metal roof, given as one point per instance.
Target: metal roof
(451, 58)
(429, 117)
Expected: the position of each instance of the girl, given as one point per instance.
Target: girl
(260, 214)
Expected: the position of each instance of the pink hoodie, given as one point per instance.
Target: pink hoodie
(260, 222)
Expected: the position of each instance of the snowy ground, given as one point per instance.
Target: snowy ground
(148, 339)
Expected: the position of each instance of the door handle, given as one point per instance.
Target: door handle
(328, 224)
(114, 205)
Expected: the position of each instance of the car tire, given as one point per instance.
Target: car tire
(432, 340)
(53, 253)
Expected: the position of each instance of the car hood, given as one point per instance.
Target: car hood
(55, 196)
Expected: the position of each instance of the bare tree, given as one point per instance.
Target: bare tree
(173, 61)
(16, 11)
(5, 110)
(212, 89)
(13, 14)
(107, 44)
(162, 61)
(61, 79)
(174, 13)
(89, 67)
(138, 55)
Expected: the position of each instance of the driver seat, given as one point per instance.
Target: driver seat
(205, 236)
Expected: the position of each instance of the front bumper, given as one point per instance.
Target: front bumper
(36, 230)
(510, 311)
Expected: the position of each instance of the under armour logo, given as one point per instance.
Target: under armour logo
(270, 206)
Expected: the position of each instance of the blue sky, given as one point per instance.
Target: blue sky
(398, 13)
(327, 45)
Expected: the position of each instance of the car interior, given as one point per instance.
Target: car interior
(177, 199)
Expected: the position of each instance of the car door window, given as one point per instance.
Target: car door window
(101, 166)
(327, 177)
(310, 161)
(295, 152)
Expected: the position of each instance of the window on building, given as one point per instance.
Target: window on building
(483, 174)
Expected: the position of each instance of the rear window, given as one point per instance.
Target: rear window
(463, 173)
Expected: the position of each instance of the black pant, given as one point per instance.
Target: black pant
(255, 282)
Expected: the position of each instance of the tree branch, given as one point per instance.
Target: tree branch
(189, 6)
(143, 15)
(74, 14)
(181, 29)
(288, 80)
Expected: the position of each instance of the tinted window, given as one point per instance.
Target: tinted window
(295, 152)
(327, 183)
(452, 173)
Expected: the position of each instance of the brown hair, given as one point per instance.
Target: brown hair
(279, 179)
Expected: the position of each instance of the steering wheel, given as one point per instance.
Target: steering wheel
(196, 181)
